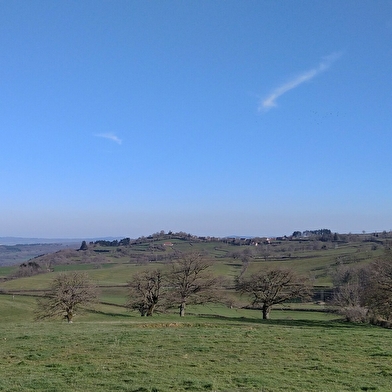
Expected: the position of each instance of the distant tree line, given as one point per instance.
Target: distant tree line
(323, 235)
(123, 242)
(28, 268)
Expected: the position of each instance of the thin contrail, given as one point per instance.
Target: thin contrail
(110, 136)
(270, 101)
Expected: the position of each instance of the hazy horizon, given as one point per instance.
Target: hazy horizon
(10, 240)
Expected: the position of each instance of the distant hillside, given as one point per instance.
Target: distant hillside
(16, 250)
(332, 248)
(32, 240)
(16, 254)
(112, 263)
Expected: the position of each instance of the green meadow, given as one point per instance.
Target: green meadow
(213, 348)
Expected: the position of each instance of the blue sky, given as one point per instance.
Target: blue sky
(123, 118)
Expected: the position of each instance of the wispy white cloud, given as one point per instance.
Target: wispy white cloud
(110, 136)
(270, 101)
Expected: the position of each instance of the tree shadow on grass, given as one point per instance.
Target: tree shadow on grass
(109, 314)
(337, 323)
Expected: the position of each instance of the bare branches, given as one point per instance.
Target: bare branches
(365, 294)
(273, 286)
(190, 281)
(68, 292)
(145, 289)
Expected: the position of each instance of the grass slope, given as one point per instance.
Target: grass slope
(103, 353)
(211, 349)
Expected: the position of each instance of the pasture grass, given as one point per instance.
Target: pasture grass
(5, 271)
(214, 348)
(117, 269)
(211, 349)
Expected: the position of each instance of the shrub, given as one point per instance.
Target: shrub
(355, 314)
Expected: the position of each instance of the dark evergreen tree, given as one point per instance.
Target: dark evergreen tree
(83, 246)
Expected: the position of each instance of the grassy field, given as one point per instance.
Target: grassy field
(111, 350)
(214, 348)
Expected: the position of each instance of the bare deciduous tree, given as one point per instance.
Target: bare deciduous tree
(365, 294)
(349, 294)
(145, 289)
(273, 286)
(190, 281)
(68, 292)
(378, 296)
(29, 268)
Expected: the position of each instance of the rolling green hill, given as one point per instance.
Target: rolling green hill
(112, 263)
(214, 348)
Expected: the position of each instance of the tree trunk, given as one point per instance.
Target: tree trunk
(150, 310)
(182, 309)
(266, 312)
(69, 316)
(142, 310)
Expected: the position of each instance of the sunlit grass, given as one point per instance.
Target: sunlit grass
(196, 353)
(214, 348)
